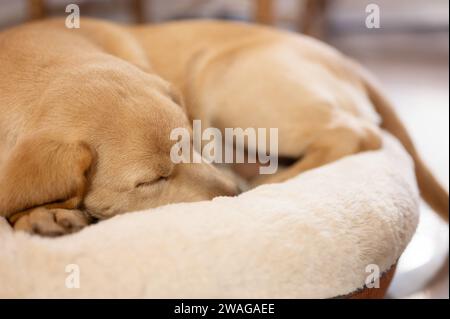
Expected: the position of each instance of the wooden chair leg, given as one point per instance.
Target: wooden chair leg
(37, 9)
(139, 10)
(313, 18)
(264, 12)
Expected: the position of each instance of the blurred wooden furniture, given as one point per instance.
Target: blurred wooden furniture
(139, 10)
(264, 11)
(38, 9)
(311, 20)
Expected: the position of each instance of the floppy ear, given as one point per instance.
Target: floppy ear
(44, 170)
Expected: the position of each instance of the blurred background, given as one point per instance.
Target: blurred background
(409, 53)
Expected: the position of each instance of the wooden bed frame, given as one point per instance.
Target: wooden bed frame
(374, 293)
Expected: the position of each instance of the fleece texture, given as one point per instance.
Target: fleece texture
(310, 237)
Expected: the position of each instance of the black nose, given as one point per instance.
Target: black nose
(228, 189)
(236, 189)
(232, 191)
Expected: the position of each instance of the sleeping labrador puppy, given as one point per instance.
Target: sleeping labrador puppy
(86, 114)
(84, 130)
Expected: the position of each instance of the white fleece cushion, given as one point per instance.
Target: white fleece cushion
(311, 236)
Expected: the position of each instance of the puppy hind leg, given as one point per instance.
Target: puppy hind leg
(328, 147)
(312, 159)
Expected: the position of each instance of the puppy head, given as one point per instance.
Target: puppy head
(108, 148)
(134, 169)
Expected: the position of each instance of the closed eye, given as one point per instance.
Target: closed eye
(151, 183)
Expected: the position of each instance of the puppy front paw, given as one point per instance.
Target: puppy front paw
(51, 222)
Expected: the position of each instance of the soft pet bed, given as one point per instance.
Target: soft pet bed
(312, 236)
